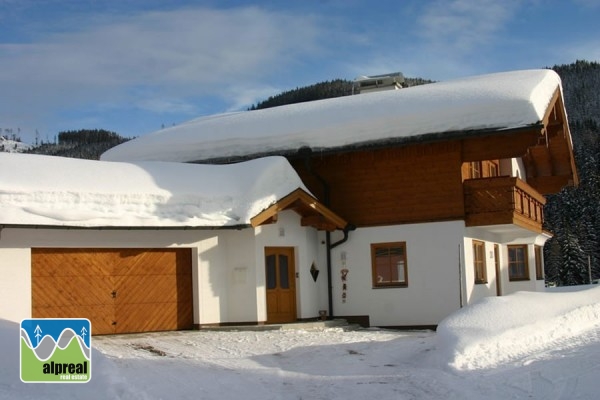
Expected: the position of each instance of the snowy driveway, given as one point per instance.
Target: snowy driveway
(329, 364)
(296, 364)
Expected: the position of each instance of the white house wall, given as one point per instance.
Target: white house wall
(219, 258)
(15, 283)
(517, 236)
(475, 291)
(533, 284)
(240, 278)
(434, 257)
(311, 296)
(229, 276)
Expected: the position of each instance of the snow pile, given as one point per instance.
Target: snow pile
(46, 190)
(500, 330)
(495, 101)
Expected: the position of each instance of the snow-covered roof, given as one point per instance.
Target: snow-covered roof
(56, 191)
(488, 102)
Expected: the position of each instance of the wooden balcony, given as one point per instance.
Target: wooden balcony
(503, 200)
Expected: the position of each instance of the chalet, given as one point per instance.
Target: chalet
(412, 203)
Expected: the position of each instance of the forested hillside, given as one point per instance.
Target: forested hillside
(573, 215)
(84, 143)
(321, 90)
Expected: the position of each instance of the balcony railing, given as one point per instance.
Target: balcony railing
(503, 200)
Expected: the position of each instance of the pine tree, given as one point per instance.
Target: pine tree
(573, 269)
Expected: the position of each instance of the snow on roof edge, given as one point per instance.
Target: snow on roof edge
(49, 191)
(500, 101)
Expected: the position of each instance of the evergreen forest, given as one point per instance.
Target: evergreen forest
(84, 143)
(572, 255)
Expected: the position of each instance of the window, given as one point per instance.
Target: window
(475, 169)
(479, 262)
(518, 270)
(539, 263)
(493, 168)
(388, 263)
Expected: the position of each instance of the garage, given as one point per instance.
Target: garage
(118, 290)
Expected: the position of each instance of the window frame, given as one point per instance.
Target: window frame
(525, 276)
(539, 263)
(475, 170)
(391, 284)
(479, 250)
(493, 169)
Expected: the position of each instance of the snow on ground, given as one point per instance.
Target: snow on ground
(12, 146)
(522, 346)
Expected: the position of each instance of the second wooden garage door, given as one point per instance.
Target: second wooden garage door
(118, 290)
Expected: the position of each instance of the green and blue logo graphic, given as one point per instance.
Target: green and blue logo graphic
(56, 350)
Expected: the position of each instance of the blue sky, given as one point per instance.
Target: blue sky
(132, 66)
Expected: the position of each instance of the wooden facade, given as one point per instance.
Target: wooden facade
(389, 186)
(453, 180)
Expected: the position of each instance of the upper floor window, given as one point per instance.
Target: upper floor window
(493, 168)
(479, 261)
(474, 169)
(518, 268)
(388, 263)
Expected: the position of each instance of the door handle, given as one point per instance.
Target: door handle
(114, 294)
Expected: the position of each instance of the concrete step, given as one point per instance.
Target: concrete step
(302, 325)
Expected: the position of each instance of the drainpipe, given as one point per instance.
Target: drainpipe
(329, 275)
(460, 279)
(305, 153)
(331, 246)
(346, 230)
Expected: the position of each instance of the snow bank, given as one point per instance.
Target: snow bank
(497, 330)
(495, 101)
(46, 190)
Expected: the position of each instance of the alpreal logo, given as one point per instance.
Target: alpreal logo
(56, 350)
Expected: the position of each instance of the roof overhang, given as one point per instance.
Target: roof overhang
(546, 149)
(550, 162)
(312, 212)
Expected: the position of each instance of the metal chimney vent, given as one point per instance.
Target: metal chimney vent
(375, 83)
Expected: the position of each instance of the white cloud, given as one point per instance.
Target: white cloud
(179, 53)
(244, 95)
(460, 26)
(587, 50)
(162, 105)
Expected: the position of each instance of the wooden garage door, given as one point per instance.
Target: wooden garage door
(119, 290)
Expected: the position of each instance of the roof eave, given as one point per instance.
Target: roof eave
(123, 228)
(375, 144)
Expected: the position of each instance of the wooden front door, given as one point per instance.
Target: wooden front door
(118, 290)
(280, 273)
